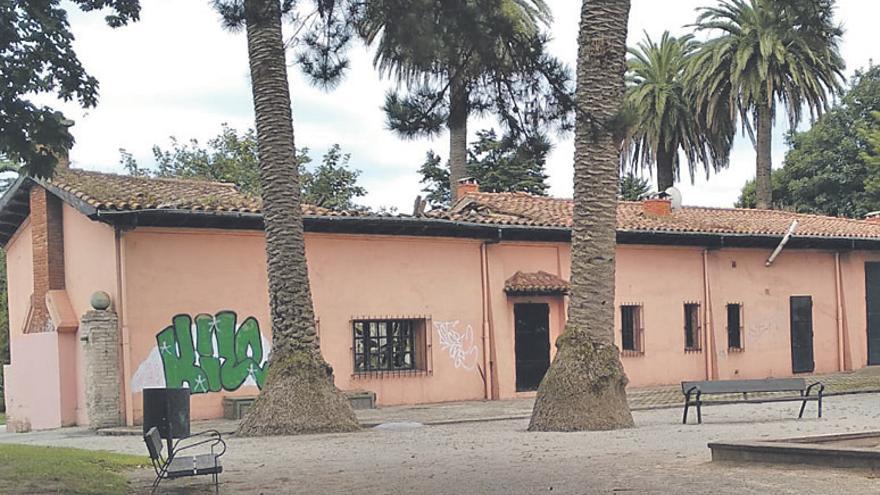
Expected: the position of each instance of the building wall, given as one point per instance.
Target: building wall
(455, 286)
(20, 277)
(89, 266)
(661, 280)
(188, 272)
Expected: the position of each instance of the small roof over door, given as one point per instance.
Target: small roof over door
(536, 283)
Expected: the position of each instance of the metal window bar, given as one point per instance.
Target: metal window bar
(384, 346)
(734, 327)
(692, 328)
(632, 331)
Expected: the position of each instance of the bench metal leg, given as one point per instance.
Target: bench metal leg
(820, 405)
(803, 406)
(699, 412)
(684, 420)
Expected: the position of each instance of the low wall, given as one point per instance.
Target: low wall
(35, 382)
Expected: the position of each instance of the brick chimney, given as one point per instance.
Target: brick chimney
(466, 185)
(658, 207)
(48, 252)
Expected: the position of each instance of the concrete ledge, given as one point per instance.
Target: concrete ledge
(837, 451)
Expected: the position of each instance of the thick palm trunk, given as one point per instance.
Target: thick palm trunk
(299, 395)
(585, 386)
(457, 123)
(665, 172)
(763, 187)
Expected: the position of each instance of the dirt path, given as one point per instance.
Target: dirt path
(659, 456)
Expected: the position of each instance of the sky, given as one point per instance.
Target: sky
(178, 73)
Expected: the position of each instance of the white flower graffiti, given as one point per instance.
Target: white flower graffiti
(460, 345)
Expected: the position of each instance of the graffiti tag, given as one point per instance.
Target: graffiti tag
(222, 357)
(459, 345)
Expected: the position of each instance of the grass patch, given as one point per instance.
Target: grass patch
(2, 419)
(26, 469)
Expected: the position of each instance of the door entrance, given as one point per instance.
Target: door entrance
(801, 334)
(532, 344)
(872, 302)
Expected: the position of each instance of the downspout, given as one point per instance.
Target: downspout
(706, 346)
(125, 337)
(841, 330)
(485, 307)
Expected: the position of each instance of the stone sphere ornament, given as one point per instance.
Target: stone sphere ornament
(100, 300)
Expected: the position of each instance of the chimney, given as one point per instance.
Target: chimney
(48, 254)
(658, 207)
(466, 185)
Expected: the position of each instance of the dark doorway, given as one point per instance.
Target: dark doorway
(802, 334)
(532, 344)
(872, 301)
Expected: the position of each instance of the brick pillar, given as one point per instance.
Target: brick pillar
(100, 337)
(47, 234)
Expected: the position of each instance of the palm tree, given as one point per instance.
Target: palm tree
(455, 57)
(298, 395)
(768, 52)
(666, 121)
(584, 389)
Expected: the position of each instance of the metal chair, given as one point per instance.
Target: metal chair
(177, 466)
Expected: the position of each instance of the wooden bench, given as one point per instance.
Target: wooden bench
(694, 392)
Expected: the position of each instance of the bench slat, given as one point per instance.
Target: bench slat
(746, 386)
(193, 466)
(756, 401)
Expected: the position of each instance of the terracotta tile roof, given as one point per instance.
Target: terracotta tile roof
(535, 283)
(528, 210)
(113, 192)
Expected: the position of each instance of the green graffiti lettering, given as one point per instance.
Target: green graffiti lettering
(227, 356)
(178, 356)
(207, 361)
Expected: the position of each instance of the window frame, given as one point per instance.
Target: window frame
(741, 328)
(417, 341)
(697, 330)
(638, 330)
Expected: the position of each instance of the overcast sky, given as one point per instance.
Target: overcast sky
(178, 73)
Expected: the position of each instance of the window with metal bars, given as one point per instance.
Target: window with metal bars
(386, 345)
(734, 328)
(692, 327)
(632, 335)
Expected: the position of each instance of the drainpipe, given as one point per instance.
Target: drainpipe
(706, 346)
(485, 307)
(782, 243)
(125, 340)
(841, 331)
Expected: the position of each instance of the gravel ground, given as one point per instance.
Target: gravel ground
(500, 457)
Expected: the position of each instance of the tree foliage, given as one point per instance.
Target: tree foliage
(499, 164)
(231, 157)
(632, 187)
(462, 57)
(834, 167)
(766, 52)
(667, 123)
(37, 57)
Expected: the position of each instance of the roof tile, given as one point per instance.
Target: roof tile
(535, 283)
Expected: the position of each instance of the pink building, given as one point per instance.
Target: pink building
(455, 305)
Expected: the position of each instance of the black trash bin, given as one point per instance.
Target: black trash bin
(168, 410)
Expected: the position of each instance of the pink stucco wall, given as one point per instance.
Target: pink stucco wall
(37, 387)
(453, 285)
(89, 266)
(170, 272)
(20, 277)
